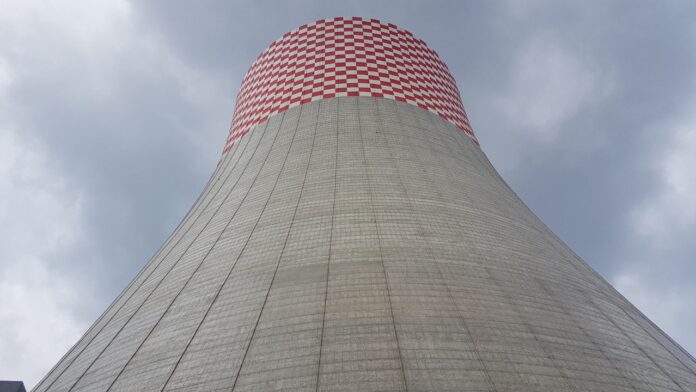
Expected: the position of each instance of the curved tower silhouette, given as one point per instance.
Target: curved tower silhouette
(354, 237)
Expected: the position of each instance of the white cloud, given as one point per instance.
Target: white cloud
(673, 209)
(82, 49)
(5, 77)
(44, 39)
(550, 84)
(38, 319)
(672, 309)
(40, 216)
(660, 230)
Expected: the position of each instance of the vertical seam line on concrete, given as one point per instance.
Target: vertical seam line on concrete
(130, 284)
(532, 330)
(577, 263)
(174, 264)
(587, 334)
(292, 221)
(183, 287)
(195, 207)
(655, 339)
(542, 229)
(526, 323)
(138, 288)
(270, 286)
(619, 300)
(660, 331)
(605, 288)
(328, 264)
(611, 320)
(379, 245)
(229, 273)
(432, 254)
(601, 284)
(509, 299)
(539, 227)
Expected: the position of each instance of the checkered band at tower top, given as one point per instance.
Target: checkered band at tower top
(346, 57)
(354, 237)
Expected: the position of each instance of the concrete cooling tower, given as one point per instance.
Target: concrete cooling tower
(354, 237)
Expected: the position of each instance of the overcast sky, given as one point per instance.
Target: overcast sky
(113, 114)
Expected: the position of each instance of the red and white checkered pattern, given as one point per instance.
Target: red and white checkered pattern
(346, 57)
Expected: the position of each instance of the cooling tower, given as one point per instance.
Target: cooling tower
(354, 237)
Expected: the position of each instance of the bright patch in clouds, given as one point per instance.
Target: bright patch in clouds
(674, 208)
(658, 229)
(40, 217)
(673, 309)
(550, 84)
(81, 63)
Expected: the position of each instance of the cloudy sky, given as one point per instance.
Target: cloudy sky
(113, 115)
